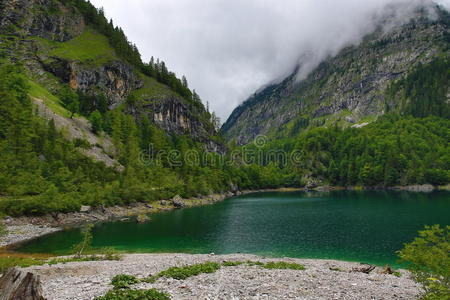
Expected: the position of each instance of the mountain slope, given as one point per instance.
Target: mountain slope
(355, 87)
(70, 43)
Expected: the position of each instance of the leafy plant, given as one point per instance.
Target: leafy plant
(13, 261)
(151, 294)
(429, 261)
(232, 263)
(283, 265)
(123, 281)
(3, 230)
(181, 273)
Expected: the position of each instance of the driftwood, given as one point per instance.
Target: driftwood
(19, 285)
(363, 269)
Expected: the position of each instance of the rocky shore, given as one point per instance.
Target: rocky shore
(321, 279)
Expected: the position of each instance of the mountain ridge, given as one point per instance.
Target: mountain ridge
(347, 89)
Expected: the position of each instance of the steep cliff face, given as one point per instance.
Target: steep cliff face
(347, 89)
(115, 79)
(55, 44)
(47, 19)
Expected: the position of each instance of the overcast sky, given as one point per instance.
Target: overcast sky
(230, 48)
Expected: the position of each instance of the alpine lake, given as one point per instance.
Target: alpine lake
(361, 226)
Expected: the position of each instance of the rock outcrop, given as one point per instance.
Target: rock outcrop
(116, 80)
(47, 19)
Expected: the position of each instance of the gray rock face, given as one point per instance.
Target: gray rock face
(349, 87)
(31, 17)
(116, 80)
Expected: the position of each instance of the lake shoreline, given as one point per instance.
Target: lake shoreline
(321, 279)
(25, 228)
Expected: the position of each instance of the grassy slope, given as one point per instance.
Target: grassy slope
(90, 48)
(50, 100)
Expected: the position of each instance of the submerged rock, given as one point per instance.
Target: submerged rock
(142, 218)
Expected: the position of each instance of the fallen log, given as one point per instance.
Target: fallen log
(363, 269)
(19, 285)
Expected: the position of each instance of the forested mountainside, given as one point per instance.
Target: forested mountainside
(83, 121)
(68, 46)
(402, 70)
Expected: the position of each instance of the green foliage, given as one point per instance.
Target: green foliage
(96, 120)
(3, 230)
(70, 100)
(232, 263)
(269, 265)
(92, 46)
(86, 241)
(391, 151)
(8, 262)
(283, 266)
(151, 294)
(429, 258)
(89, 47)
(424, 91)
(182, 273)
(94, 257)
(123, 281)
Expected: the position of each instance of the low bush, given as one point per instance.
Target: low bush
(429, 261)
(151, 294)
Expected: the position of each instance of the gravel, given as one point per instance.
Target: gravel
(20, 233)
(86, 280)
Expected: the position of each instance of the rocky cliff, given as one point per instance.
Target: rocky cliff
(57, 46)
(349, 89)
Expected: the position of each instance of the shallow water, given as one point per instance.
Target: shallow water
(346, 225)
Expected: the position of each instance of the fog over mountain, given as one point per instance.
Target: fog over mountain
(229, 48)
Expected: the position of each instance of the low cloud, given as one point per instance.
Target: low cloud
(229, 48)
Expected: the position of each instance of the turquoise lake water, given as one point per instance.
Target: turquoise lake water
(358, 226)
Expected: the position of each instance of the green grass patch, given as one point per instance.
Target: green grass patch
(90, 47)
(151, 89)
(397, 274)
(50, 100)
(151, 294)
(232, 263)
(181, 273)
(8, 262)
(283, 266)
(270, 265)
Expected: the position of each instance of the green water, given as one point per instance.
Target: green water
(353, 226)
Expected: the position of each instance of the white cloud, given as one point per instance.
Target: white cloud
(229, 48)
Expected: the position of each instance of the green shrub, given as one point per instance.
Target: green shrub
(181, 273)
(283, 265)
(3, 230)
(232, 263)
(429, 261)
(151, 294)
(123, 281)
